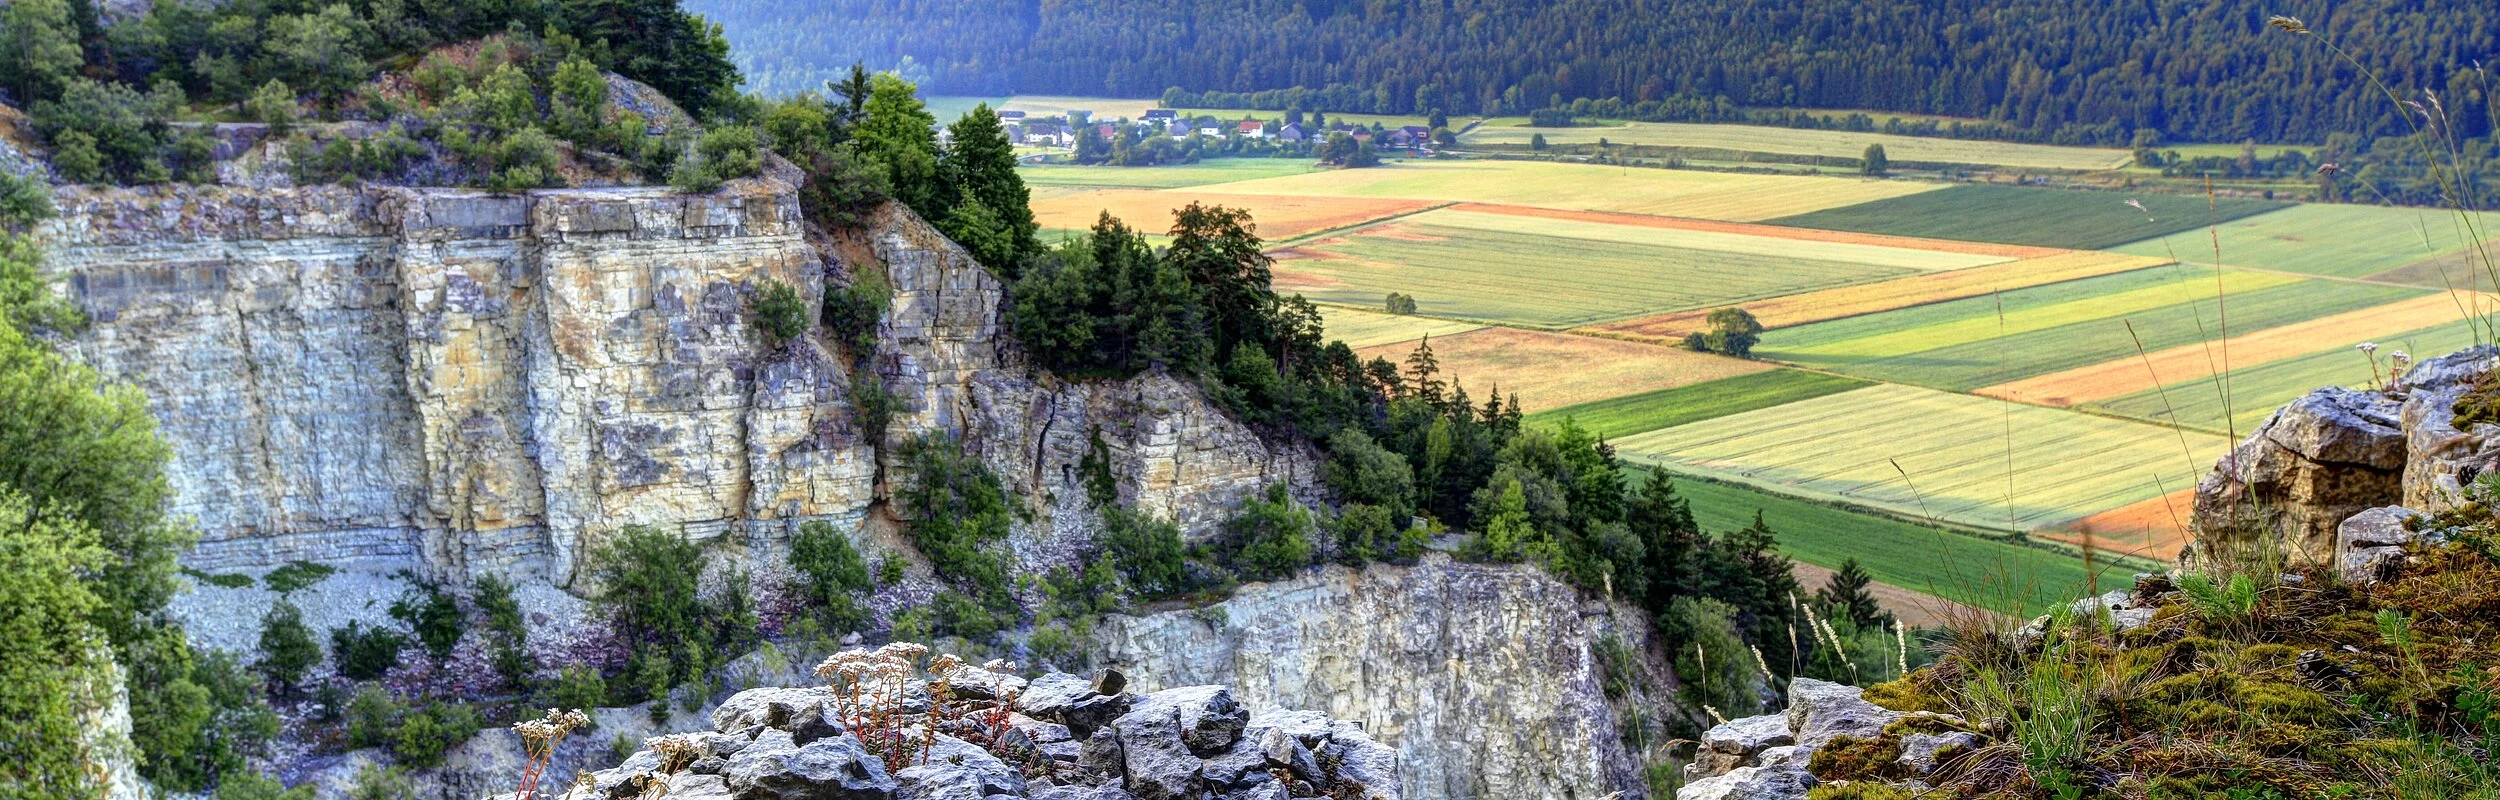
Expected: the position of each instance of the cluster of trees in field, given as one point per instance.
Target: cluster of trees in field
(2067, 70)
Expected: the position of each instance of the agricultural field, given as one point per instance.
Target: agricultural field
(1553, 370)
(2256, 391)
(2348, 241)
(1360, 329)
(1666, 408)
(1103, 107)
(1501, 269)
(2073, 219)
(1803, 142)
(2154, 529)
(2196, 363)
(1967, 460)
(1170, 176)
(1903, 292)
(1277, 216)
(2469, 268)
(1953, 565)
(1665, 192)
(1384, 120)
(1967, 344)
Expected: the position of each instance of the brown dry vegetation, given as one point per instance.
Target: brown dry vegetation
(1553, 370)
(2153, 529)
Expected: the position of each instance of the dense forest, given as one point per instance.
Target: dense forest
(2065, 69)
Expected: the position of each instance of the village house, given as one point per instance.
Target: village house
(1291, 132)
(1253, 129)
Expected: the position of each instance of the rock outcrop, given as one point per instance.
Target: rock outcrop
(1485, 678)
(2336, 453)
(462, 383)
(1183, 743)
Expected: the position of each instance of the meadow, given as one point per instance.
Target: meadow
(1360, 329)
(1276, 216)
(1679, 193)
(1618, 417)
(1169, 176)
(2073, 219)
(1553, 370)
(1952, 565)
(1968, 460)
(1802, 142)
(1551, 281)
(2196, 362)
(2348, 241)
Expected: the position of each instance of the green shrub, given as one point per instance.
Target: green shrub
(648, 590)
(1271, 535)
(507, 633)
(433, 614)
(287, 648)
(575, 686)
(296, 576)
(371, 716)
(273, 104)
(834, 571)
(962, 616)
(74, 154)
(253, 786)
(525, 160)
(376, 782)
(959, 515)
(1102, 488)
(852, 312)
(425, 734)
(362, 653)
(779, 311)
(1365, 532)
(1147, 552)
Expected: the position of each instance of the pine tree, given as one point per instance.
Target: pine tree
(899, 134)
(1425, 370)
(1663, 521)
(287, 648)
(1847, 596)
(41, 52)
(982, 165)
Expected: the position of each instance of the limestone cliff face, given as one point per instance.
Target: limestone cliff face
(1485, 678)
(467, 382)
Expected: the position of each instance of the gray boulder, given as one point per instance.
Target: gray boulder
(1208, 719)
(2327, 455)
(1154, 755)
(2443, 460)
(773, 767)
(954, 769)
(2369, 546)
(770, 707)
(1819, 711)
(1787, 782)
(1071, 701)
(1283, 749)
(1081, 793)
(1919, 750)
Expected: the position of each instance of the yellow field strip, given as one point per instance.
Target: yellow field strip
(2198, 361)
(1553, 370)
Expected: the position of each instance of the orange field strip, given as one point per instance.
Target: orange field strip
(2154, 529)
(1278, 216)
(1773, 231)
(1914, 290)
(1553, 370)
(2191, 362)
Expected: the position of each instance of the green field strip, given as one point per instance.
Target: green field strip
(2347, 241)
(1666, 408)
(1174, 176)
(2019, 321)
(1806, 142)
(1717, 241)
(2256, 392)
(1986, 306)
(1949, 564)
(1971, 365)
(2075, 219)
(1360, 328)
(1954, 448)
(1549, 281)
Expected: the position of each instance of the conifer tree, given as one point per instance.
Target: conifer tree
(981, 164)
(899, 135)
(1847, 596)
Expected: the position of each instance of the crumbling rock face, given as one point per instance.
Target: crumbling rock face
(1183, 743)
(1485, 678)
(2337, 452)
(463, 383)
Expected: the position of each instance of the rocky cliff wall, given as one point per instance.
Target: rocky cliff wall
(467, 382)
(1486, 679)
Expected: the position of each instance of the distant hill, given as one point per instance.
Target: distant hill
(2069, 70)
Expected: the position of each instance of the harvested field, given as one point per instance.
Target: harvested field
(1278, 217)
(2015, 322)
(1360, 329)
(1173, 176)
(2080, 220)
(1677, 193)
(2257, 391)
(1552, 370)
(1808, 142)
(1103, 108)
(1914, 556)
(1667, 408)
(1533, 272)
(2319, 239)
(2153, 529)
(1902, 292)
(1749, 240)
(2199, 361)
(1968, 460)
(2009, 251)
(2462, 269)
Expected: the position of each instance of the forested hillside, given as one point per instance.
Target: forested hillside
(2070, 70)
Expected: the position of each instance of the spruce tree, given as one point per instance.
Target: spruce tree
(1847, 596)
(982, 165)
(899, 135)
